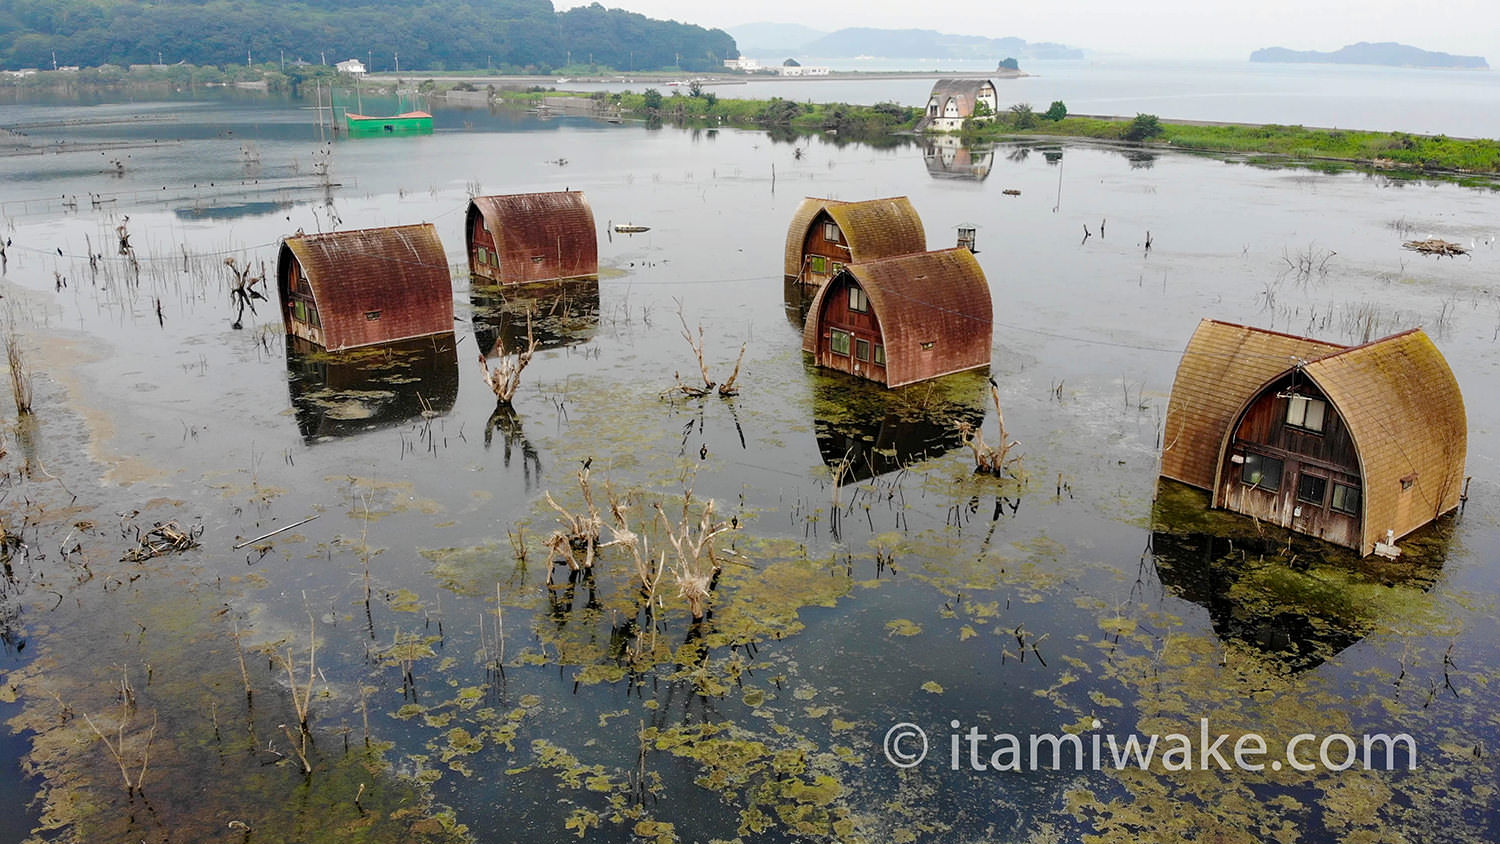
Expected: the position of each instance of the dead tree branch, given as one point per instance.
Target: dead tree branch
(505, 378)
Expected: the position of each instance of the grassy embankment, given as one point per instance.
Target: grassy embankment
(1399, 151)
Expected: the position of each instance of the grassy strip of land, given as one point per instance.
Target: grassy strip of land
(1396, 150)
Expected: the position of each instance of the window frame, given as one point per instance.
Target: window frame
(838, 337)
(1304, 404)
(877, 355)
(1311, 479)
(859, 300)
(1343, 490)
(862, 349)
(831, 232)
(817, 264)
(1259, 479)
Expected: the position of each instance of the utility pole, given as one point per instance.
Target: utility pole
(398, 62)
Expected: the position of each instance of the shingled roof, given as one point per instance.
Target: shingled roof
(931, 297)
(556, 227)
(1223, 366)
(400, 274)
(1397, 397)
(1406, 415)
(873, 228)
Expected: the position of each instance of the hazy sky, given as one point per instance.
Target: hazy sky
(1189, 28)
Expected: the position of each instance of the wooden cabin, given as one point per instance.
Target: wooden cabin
(341, 290)
(905, 319)
(524, 237)
(953, 101)
(827, 234)
(1359, 445)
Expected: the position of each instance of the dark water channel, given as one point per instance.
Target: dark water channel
(455, 693)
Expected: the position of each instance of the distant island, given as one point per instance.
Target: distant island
(1384, 54)
(853, 42)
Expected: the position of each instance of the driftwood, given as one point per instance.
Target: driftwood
(244, 294)
(988, 459)
(726, 389)
(577, 543)
(163, 538)
(698, 566)
(1435, 246)
(505, 378)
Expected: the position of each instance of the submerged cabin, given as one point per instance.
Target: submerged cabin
(827, 234)
(341, 290)
(905, 319)
(524, 237)
(953, 101)
(1358, 445)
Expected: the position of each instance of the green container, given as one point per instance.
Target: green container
(408, 123)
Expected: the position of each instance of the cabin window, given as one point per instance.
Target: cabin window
(1345, 499)
(862, 349)
(831, 232)
(299, 311)
(858, 301)
(927, 346)
(837, 267)
(1407, 482)
(1311, 489)
(819, 264)
(483, 256)
(371, 316)
(537, 259)
(879, 355)
(1261, 472)
(838, 341)
(1305, 413)
(312, 316)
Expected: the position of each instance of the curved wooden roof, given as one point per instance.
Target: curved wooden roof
(1222, 367)
(556, 227)
(1406, 415)
(873, 228)
(400, 272)
(931, 297)
(966, 91)
(1397, 396)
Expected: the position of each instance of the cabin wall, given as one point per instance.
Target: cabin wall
(834, 254)
(300, 314)
(1317, 471)
(865, 356)
(484, 262)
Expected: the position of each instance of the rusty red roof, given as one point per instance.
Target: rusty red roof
(939, 300)
(539, 236)
(374, 285)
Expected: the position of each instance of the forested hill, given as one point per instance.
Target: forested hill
(514, 35)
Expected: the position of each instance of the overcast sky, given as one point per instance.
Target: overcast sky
(1187, 28)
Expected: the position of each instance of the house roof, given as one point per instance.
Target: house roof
(873, 228)
(930, 297)
(1397, 396)
(966, 91)
(557, 227)
(1223, 365)
(400, 272)
(1403, 408)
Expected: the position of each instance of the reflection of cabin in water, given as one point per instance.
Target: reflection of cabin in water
(947, 158)
(826, 234)
(1358, 445)
(865, 431)
(347, 393)
(341, 290)
(900, 320)
(524, 237)
(560, 314)
(953, 101)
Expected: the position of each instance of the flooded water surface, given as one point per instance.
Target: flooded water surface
(406, 663)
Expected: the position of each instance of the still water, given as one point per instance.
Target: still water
(869, 578)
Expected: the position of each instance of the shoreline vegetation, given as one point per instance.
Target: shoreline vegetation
(691, 101)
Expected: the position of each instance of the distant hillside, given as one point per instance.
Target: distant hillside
(894, 44)
(516, 35)
(773, 38)
(1387, 54)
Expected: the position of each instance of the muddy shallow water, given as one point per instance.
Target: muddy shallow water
(453, 693)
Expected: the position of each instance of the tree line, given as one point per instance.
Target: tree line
(526, 36)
